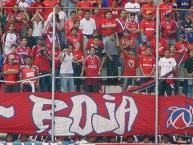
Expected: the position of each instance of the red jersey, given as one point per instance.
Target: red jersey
(181, 46)
(72, 40)
(41, 60)
(89, 43)
(92, 65)
(49, 39)
(27, 72)
(176, 56)
(115, 12)
(97, 19)
(141, 49)
(166, 27)
(107, 31)
(49, 6)
(82, 4)
(162, 46)
(149, 28)
(68, 26)
(127, 41)
(23, 52)
(131, 25)
(78, 54)
(130, 64)
(165, 8)
(40, 7)
(17, 59)
(16, 24)
(10, 4)
(146, 7)
(57, 61)
(11, 77)
(147, 63)
(121, 24)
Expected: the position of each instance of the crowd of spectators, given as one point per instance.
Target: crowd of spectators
(93, 36)
(146, 139)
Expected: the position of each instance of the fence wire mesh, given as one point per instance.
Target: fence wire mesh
(97, 49)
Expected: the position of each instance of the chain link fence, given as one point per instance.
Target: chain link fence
(101, 51)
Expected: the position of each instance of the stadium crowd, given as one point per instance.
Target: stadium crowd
(146, 139)
(93, 35)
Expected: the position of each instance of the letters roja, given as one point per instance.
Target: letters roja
(114, 122)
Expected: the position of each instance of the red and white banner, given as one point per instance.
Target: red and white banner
(94, 114)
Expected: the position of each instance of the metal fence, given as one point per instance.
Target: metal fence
(98, 51)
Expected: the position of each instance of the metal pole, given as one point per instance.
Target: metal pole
(157, 76)
(53, 74)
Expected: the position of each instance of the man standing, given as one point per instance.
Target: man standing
(147, 66)
(10, 72)
(148, 26)
(28, 72)
(167, 65)
(91, 67)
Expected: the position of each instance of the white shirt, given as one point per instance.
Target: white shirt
(87, 26)
(167, 65)
(62, 16)
(37, 28)
(23, 5)
(66, 64)
(132, 7)
(9, 40)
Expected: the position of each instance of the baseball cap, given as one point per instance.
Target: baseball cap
(11, 57)
(167, 14)
(148, 12)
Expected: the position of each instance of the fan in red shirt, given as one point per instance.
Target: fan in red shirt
(38, 6)
(12, 20)
(90, 41)
(162, 46)
(142, 47)
(10, 72)
(77, 65)
(149, 6)
(169, 29)
(126, 41)
(49, 4)
(79, 31)
(115, 9)
(91, 67)
(133, 28)
(147, 67)
(130, 67)
(23, 50)
(97, 16)
(69, 24)
(17, 57)
(84, 4)
(28, 72)
(9, 5)
(122, 23)
(74, 38)
(182, 47)
(108, 24)
(148, 26)
(15, 11)
(164, 7)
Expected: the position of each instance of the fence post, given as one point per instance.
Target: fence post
(53, 74)
(157, 76)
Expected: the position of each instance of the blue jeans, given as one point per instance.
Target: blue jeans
(190, 91)
(57, 81)
(67, 84)
(45, 82)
